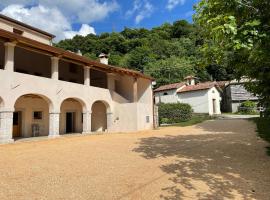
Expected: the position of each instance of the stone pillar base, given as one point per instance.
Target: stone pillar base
(87, 122)
(6, 127)
(53, 136)
(54, 125)
(6, 141)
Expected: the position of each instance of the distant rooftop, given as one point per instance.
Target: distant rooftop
(170, 86)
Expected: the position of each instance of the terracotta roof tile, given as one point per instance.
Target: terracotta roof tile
(170, 86)
(199, 86)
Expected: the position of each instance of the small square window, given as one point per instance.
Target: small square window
(37, 115)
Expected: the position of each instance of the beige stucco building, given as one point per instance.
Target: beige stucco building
(46, 91)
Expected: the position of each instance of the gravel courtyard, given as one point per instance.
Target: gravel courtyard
(221, 159)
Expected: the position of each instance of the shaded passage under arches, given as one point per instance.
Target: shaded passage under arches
(99, 116)
(71, 117)
(31, 116)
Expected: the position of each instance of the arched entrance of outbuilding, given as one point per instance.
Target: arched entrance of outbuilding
(71, 117)
(99, 117)
(31, 116)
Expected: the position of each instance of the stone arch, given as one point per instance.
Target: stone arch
(31, 115)
(71, 115)
(100, 117)
(44, 97)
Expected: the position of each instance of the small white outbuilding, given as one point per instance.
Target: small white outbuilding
(203, 97)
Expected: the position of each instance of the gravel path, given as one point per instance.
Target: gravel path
(221, 159)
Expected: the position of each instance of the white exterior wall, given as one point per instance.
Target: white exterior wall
(198, 100)
(201, 101)
(123, 116)
(170, 98)
(213, 93)
(8, 26)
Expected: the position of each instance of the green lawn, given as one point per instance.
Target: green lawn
(196, 119)
(263, 129)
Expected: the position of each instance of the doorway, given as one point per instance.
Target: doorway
(70, 122)
(214, 106)
(17, 124)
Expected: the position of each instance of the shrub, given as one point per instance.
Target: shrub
(174, 112)
(248, 107)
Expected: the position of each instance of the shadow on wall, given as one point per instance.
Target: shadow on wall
(207, 166)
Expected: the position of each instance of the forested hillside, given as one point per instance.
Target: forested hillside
(168, 53)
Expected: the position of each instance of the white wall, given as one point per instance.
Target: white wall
(14, 85)
(213, 93)
(197, 99)
(170, 98)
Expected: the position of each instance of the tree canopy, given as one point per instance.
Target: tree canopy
(168, 52)
(236, 34)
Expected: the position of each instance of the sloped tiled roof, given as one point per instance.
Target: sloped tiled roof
(199, 86)
(170, 86)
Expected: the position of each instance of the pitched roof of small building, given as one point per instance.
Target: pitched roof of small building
(170, 86)
(199, 86)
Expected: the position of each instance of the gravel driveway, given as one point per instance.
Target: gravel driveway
(221, 159)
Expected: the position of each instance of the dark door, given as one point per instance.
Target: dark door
(70, 122)
(16, 124)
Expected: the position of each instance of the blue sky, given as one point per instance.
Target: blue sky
(68, 18)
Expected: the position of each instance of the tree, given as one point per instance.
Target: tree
(236, 33)
(170, 70)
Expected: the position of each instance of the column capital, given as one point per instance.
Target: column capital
(87, 67)
(10, 44)
(55, 58)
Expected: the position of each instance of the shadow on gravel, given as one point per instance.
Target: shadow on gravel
(209, 166)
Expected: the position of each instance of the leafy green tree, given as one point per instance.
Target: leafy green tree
(236, 33)
(170, 70)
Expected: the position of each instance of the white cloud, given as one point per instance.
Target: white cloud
(48, 19)
(80, 11)
(173, 3)
(57, 16)
(84, 31)
(141, 9)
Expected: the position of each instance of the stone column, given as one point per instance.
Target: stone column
(55, 68)
(9, 56)
(87, 122)
(6, 127)
(135, 90)
(111, 81)
(54, 125)
(87, 76)
(109, 121)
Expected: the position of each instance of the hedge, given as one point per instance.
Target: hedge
(248, 107)
(174, 113)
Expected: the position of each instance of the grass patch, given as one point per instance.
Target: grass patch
(263, 129)
(195, 119)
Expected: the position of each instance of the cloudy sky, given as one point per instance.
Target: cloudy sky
(67, 18)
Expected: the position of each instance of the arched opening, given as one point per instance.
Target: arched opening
(31, 116)
(99, 116)
(71, 117)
